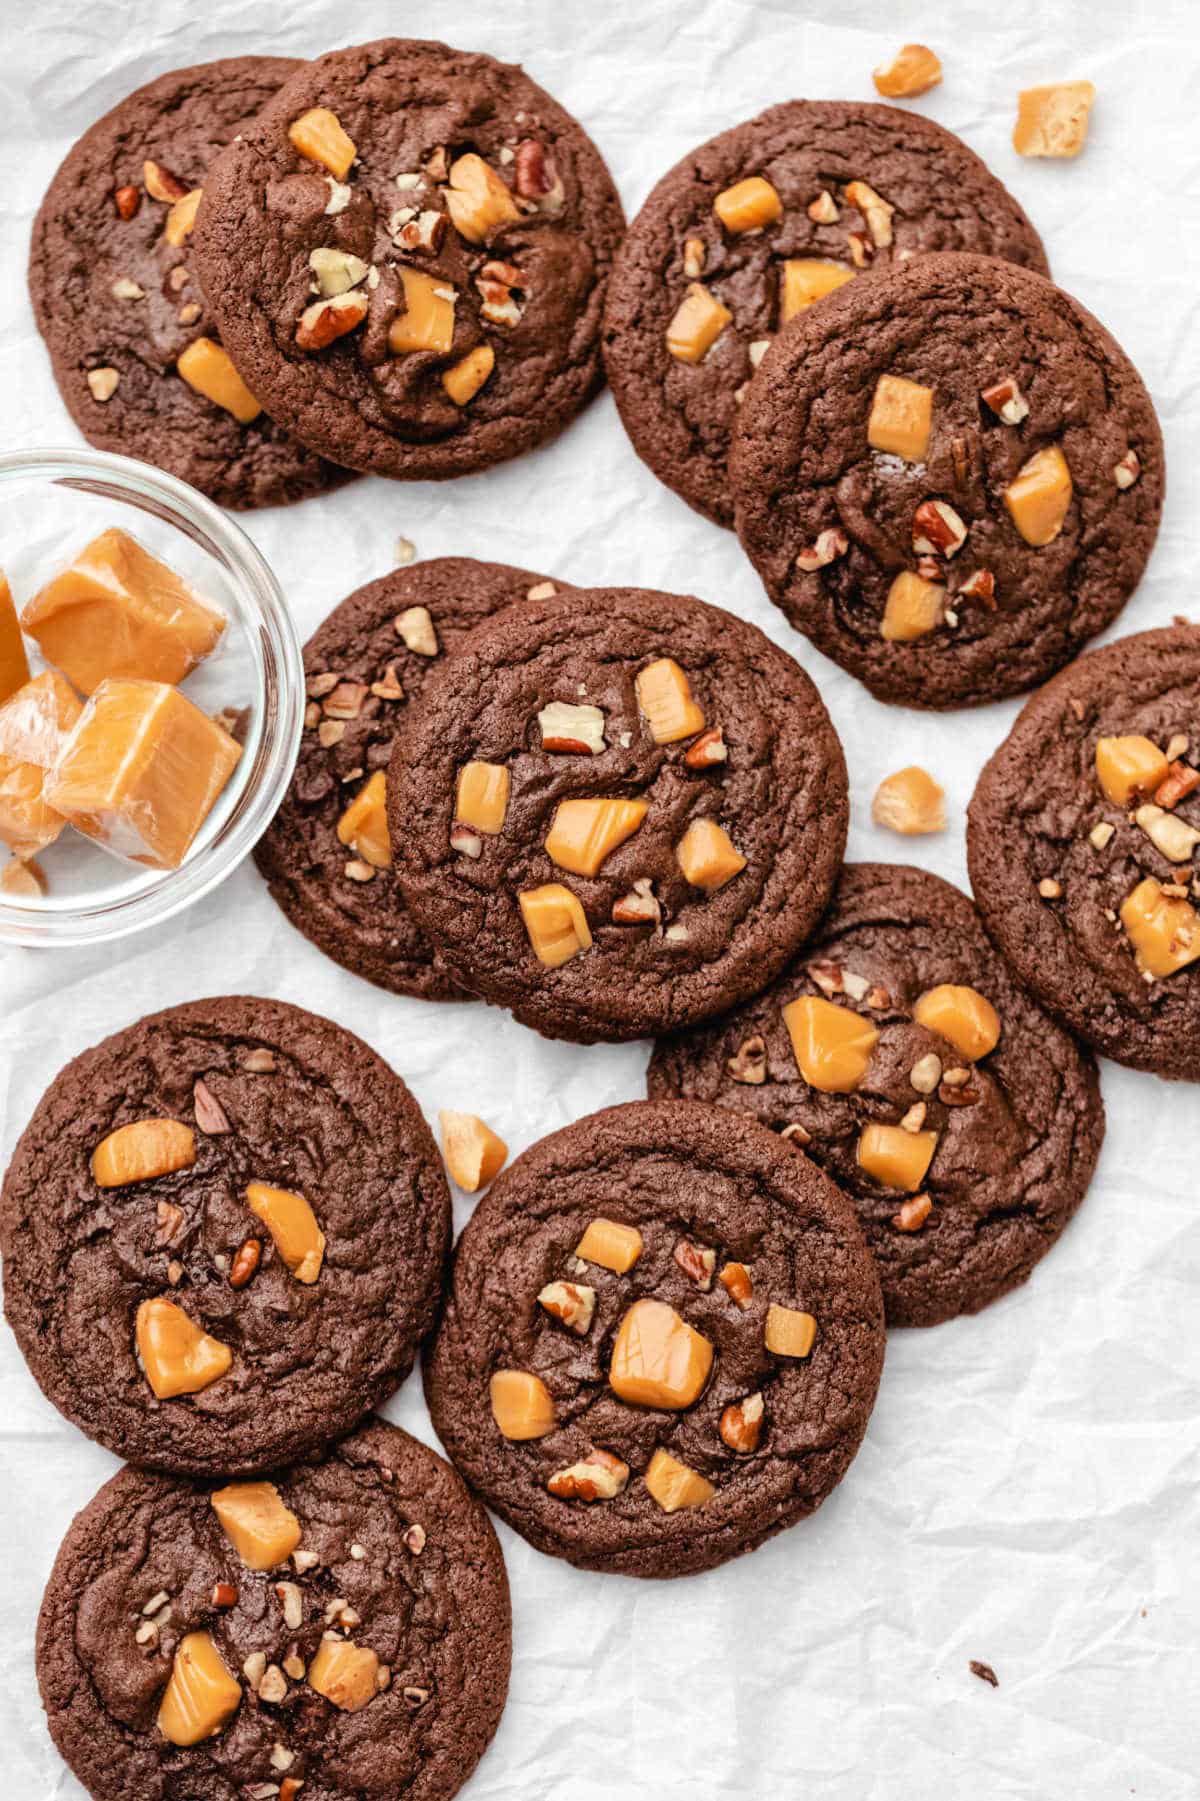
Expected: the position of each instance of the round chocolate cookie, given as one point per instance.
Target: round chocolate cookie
(906, 1060)
(223, 1233)
(342, 1631)
(662, 1341)
(1081, 841)
(755, 226)
(118, 305)
(949, 478)
(408, 252)
(617, 811)
(365, 664)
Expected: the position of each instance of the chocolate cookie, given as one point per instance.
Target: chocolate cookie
(617, 811)
(342, 1631)
(906, 1060)
(1081, 841)
(755, 226)
(949, 478)
(223, 1234)
(662, 1341)
(116, 301)
(326, 856)
(408, 252)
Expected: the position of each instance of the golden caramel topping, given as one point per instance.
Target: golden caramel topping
(182, 218)
(665, 697)
(556, 923)
(900, 419)
(1052, 120)
(318, 135)
(345, 1673)
(260, 1528)
(832, 1045)
(178, 1358)
(14, 664)
(464, 379)
(293, 1226)
(913, 608)
(584, 832)
(657, 1359)
(962, 1015)
(673, 1485)
(208, 368)
(200, 1696)
(807, 279)
(364, 827)
(707, 856)
(1129, 768)
(698, 322)
(478, 201)
(141, 1151)
(748, 205)
(481, 796)
(474, 1153)
(892, 1155)
(427, 322)
(1163, 930)
(521, 1405)
(1039, 495)
(910, 802)
(789, 1332)
(611, 1245)
(912, 71)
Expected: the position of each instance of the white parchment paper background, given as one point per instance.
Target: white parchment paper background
(1027, 1493)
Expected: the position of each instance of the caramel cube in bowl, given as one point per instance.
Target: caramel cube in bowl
(34, 724)
(14, 664)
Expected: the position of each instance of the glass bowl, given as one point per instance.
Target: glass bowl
(54, 502)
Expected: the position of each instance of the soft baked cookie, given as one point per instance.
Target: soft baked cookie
(223, 1234)
(341, 1631)
(407, 252)
(616, 811)
(899, 1051)
(120, 309)
(949, 478)
(662, 1341)
(327, 855)
(755, 226)
(1081, 841)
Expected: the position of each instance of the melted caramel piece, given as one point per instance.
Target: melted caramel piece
(521, 1405)
(611, 1245)
(657, 1359)
(556, 923)
(748, 205)
(789, 1332)
(963, 1015)
(896, 1157)
(208, 367)
(1129, 768)
(910, 802)
(900, 419)
(478, 201)
(260, 1528)
(201, 1694)
(318, 135)
(345, 1673)
(912, 71)
(178, 1358)
(293, 1226)
(481, 796)
(673, 1485)
(14, 664)
(707, 856)
(141, 1151)
(832, 1045)
(427, 322)
(807, 279)
(474, 1153)
(665, 697)
(913, 608)
(1039, 495)
(1164, 930)
(34, 725)
(463, 380)
(585, 832)
(1052, 120)
(364, 827)
(698, 322)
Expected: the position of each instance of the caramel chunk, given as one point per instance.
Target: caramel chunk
(912, 71)
(481, 796)
(141, 1151)
(292, 1225)
(832, 1045)
(1039, 495)
(474, 1153)
(892, 1155)
(697, 323)
(364, 827)
(345, 1673)
(181, 219)
(14, 664)
(427, 322)
(1052, 120)
(1163, 930)
(318, 135)
(910, 802)
(141, 771)
(556, 923)
(178, 1358)
(463, 380)
(748, 205)
(208, 368)
(1129, 768)
(200, 1696)
(118, 611)
(611, 1245)
(913, 608)
(584, 832)
(657, 1359)
(900, 418)
(807, 279)
(478, 201)
(789, 1332)
(521, 1405)
(707, 856)
(738, 1284)
(34, 724)
(260, 1528)
(963, 1015)
(673, 1485)
(665, 697)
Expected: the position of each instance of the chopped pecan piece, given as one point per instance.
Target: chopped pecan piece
(749, 1064)
(597, 1477)
(697, 1261)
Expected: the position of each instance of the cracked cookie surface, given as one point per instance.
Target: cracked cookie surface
(701, 1193)
(936, 195)
(949, 478)
(1016, 1143)
(259, 1093)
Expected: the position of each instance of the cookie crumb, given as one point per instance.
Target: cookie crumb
(406, 551)
(985, 1672)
